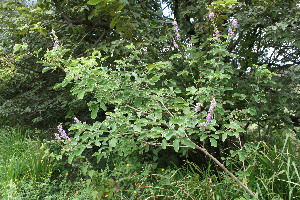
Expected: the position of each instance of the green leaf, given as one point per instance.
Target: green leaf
(177, 121)
(176, 56)
(71, 157)
(103, 107)
(203, 137)
(78, 152)
(252, 111)
(164, 144)
(137, 128)
(214, 136)
(170, 133)
(93, 2)
(188, 142)
(224, 137)
(113, 142)
(80, 95)
(176, 145)
(94, 108)
(84, 169)
(191, 90)
(213, 142)
(179, 100)
(138, 101)
(17, 47)
(85, 136)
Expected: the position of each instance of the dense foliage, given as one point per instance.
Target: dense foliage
(153, 83)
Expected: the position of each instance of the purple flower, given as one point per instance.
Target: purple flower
(76, 120)
(175, 45)
(208, 117)
(213, 104)
(176, 29)
(211, 15)
(62, 133)
(108, 117)
(177, 36)
(56, 136)
(174, 23)
(202, 124)
(235, 23)
(217, 32)
(230, 31)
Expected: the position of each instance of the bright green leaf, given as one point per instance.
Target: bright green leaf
(188, 142)
(176, 145)
(113, 142)
(93, 2)
(177, 121)
(213, 142)
(164, 144)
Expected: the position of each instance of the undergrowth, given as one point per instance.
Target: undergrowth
(34, 169)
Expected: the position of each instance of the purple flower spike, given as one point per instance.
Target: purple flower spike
(211, 15)
(62, 132)
(217, 32)
(213, 104)
(208, 117)
(176, 29)
(175, 45)
(230, 31)
(235, 23)
(174, 23)
(76, 120)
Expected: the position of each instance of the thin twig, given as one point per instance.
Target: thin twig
(167, 109)
(99, 39)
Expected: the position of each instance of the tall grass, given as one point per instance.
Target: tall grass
(274, 171)
(27, 173)
(21, 157)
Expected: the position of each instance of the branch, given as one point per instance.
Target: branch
(99, 39)
(224, 168)
(78, 21)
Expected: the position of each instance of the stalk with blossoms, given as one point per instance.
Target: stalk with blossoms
(61, 135)
(176, 31)
(213, 104)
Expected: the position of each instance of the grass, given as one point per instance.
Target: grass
(275, 171)
(21, 156)
(28, 172)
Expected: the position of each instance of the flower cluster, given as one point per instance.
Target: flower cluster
(235, 25)
(211, 15)
(55, 38)
(213, 105)
(176, 31)
(62, 133)
(76, 120)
